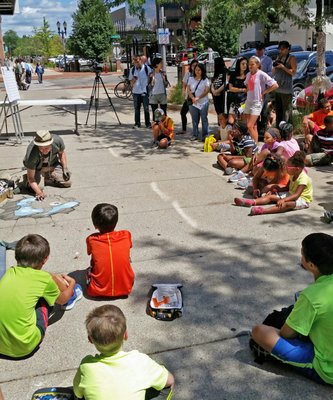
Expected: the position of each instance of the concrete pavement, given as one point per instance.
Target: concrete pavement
(235, 269)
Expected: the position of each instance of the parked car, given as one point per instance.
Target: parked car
(204, 57)
(171, 59)
(181, 57)
(307, 70)
(272, 51)
(309, 100)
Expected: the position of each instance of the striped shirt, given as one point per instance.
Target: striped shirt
(326, 140)
(245, 142)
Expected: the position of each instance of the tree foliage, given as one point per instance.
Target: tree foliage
(92, 30)
(218, 31)
(44, 41)
(11, 40)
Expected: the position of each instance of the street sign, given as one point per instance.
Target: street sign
(116, 36)
(163, 36)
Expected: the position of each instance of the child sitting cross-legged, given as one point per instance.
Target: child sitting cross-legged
(110, 273)
(242, 148)
(114, 373)
(27, 294)
(304, 342)
(163, 129)
(222, 139)
(299, 196)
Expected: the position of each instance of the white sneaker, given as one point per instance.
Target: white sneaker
(77, 295)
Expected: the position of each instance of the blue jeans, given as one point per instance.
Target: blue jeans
(196, 114)
(139, 99)
(4, 246)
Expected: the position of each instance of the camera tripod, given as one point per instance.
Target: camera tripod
(94, 97)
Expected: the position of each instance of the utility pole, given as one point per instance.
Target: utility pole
(163, 45)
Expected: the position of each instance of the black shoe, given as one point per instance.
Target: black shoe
(136, 126)
(148, 126)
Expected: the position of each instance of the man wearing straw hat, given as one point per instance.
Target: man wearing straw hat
(46, 157)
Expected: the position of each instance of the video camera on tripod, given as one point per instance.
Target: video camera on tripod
(96, 67)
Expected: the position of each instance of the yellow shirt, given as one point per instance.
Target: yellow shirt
(118, 377)
(303, 179)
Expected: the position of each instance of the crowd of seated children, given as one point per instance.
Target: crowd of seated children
(298, 197)
(242, 148)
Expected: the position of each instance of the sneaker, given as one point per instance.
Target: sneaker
(260, 354)
(193, 138)
(77, 295)
(244, 183)
(229, 171)
(244, 202)
(148, 126)
(136, 126)
(257, 210)
(237, 176)
(181, 133)
(328, 217)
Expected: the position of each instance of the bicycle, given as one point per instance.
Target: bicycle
(123, 89)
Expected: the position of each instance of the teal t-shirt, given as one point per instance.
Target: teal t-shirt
(20, 290)
(313, 316)
(118, 377)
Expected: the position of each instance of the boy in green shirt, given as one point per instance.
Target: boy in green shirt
(115, 374)
(305, 339)
(26, 296)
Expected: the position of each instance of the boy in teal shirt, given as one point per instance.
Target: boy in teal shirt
(115, 374)
(305, 340)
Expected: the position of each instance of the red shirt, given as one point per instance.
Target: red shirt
(111, 271)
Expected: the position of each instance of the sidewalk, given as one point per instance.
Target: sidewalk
(235, 269)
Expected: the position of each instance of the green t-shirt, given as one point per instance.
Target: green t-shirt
(33, 158)
(20, 290)
(118, 377)
(303, 179)
(313, 316)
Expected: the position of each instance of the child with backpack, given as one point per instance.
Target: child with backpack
(110, 273)
(300, 193)
(304, 341)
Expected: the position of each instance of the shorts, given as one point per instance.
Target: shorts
(253, 107)
(160, 98)
(240, 109)
(162, 136)
(299, 354)
(301, 204)
(319, 159)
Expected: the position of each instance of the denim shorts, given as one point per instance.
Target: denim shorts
(253, 107)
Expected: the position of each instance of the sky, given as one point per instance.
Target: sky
(29, 15)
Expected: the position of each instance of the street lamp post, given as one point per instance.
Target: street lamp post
(63, 34)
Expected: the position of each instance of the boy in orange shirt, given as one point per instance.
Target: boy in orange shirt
(111, 273)
(163, 129)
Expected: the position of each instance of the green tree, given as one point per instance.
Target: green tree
(92, 30)
(11, 40)
(45, 41)
(217, 31)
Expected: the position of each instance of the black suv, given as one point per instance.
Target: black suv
(307, 69)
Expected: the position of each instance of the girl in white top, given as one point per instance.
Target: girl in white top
(158, 84)
(198, 88)
(258, 84)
